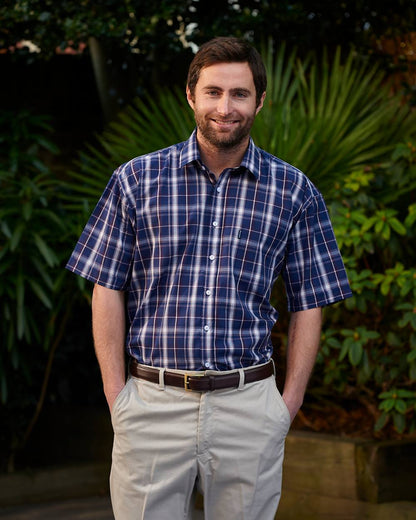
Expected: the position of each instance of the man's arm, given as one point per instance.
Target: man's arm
(108, 325)
(303, 343)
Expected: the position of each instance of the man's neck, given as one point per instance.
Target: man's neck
(219, 159)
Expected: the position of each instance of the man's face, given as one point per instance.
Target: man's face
(224, 104)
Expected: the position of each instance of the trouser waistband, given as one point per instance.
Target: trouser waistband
(204, 382)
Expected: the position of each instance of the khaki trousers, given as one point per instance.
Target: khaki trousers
(229, 442)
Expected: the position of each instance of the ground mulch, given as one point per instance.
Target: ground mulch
(352, 421)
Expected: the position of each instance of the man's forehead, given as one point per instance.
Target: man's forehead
(234, 73)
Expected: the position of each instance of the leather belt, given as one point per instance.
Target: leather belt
(203, 382)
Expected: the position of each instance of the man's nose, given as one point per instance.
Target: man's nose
(224, 105)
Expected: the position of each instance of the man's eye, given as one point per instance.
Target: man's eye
(241, 94)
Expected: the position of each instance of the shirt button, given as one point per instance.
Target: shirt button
(206, 328)
(215, 223)
(208, 292)
(207, 365)
(218, 190)
(211, 257)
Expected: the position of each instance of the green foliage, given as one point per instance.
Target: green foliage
(396, 404)
(375, 357)
(35, 295)
(144, 26)
(341, 107)
(127, 24)
(167, 115)
(327, 118)
(28, 223)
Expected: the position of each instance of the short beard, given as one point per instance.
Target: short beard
(228, 141)
(224, 141)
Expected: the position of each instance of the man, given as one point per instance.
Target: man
(192, 239)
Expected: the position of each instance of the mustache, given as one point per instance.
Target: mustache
(224, 120)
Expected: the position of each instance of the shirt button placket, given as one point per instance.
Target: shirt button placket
(208, 327)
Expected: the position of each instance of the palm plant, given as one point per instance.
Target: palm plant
(341, 117)
(149, 124)
(326, 118)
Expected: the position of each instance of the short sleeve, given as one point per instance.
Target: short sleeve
(314, 272)
(104, 252)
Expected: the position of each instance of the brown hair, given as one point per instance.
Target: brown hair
(228, 50)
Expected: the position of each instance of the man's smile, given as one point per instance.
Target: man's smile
(225, 123)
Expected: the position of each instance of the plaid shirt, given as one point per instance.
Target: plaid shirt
(198, 257)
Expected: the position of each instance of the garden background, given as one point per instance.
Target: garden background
(87, 86)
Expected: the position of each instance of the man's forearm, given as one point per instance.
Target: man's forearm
(303, 343)
(108, 323)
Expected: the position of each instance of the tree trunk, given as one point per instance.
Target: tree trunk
(108, 103)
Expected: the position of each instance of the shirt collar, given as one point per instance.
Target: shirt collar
(190, 151)
(251, 160)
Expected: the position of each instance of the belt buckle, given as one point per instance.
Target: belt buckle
(186, 380)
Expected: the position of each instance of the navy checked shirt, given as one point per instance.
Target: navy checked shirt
(198, 257)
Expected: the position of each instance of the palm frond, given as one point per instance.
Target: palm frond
(325, 117)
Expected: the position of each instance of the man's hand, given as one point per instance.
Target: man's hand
(111, 396)
(292, 406)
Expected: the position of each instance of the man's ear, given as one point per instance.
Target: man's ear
(189, 97)
(260, 106)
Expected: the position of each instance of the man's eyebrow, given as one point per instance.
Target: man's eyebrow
(212, 87)
(233, 90)
(241, 90)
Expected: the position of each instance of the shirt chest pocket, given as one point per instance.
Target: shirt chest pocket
(253, 254)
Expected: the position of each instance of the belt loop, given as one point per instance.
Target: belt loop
(274, 367)
(162, 378)
(242, 378)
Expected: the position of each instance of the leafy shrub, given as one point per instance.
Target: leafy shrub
(35, 296)
(28, 223)
(369, 349)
